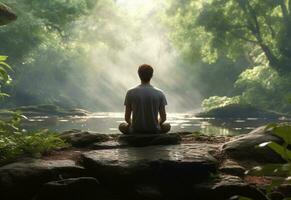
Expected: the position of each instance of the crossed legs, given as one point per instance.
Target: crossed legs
(125, 129)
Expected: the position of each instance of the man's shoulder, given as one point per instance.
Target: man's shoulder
(133, 88)
(158, 90)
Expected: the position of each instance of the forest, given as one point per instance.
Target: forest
(224, 65)
(244, 61)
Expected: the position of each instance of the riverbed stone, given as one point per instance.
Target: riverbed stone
(246, 147)
(22, 179)
(150, 164)
(141, 140)
(78, 138)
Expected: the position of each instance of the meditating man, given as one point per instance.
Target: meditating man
(144, 103)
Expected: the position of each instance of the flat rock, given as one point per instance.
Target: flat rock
(78, 138)
(245, 148)
(20, 180)
(141, 140)
(154, 164)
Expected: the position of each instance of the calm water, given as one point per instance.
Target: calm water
(108, 123)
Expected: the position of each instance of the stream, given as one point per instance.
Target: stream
(107, 122)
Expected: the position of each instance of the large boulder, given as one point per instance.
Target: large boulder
(21, 180)
(79, 138)
(141, 140)
(246, 147)
(227, 187)
(130, 166)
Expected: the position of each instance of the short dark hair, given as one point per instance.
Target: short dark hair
(145, 72)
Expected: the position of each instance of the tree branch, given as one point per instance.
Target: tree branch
(285, 12)
(243, 38)
(254, 26)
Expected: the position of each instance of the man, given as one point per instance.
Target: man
(144, 103)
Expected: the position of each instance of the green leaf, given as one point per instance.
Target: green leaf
(284, 132)
(4, 74)
(4, 95)
(278, 170)
(281, 150)
(3, 58)
(6, 65)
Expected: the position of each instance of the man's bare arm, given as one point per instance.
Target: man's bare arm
(127, 114)
(163, 115)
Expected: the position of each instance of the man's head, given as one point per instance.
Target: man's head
(145, 73)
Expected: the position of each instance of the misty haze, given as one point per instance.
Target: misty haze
(196, 91)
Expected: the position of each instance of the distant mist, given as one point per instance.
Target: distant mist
(144, 40)
(92, 61)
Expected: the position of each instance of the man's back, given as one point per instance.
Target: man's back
(145, 102)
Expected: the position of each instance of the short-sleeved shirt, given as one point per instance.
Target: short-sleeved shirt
(145, 102)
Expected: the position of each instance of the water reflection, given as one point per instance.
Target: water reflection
(107, 122)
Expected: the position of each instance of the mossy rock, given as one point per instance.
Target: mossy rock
(49, 109)
(240, 111)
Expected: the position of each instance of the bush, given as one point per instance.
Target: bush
(218, 102)
(15, 142)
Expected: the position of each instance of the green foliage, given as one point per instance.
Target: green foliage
(51, 44)
(279, 172)
(4, 77)
(15, 142)
(218, 102)
(258, 31)
(283, 131)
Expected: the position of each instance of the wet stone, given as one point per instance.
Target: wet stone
(183, 163)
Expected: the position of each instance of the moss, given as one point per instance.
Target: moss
(240, 111)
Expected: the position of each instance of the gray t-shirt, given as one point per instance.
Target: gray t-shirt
(145, 101)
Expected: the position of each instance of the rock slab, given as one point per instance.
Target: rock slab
(150, 164)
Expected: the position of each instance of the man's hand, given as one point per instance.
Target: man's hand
(163, 115)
